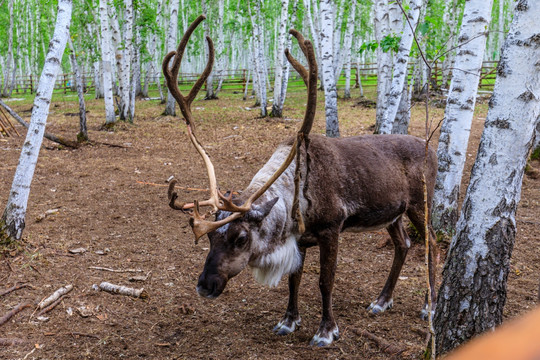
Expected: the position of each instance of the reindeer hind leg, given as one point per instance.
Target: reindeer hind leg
(401, 243)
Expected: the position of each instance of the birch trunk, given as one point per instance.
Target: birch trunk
(259, 57)
(473, 290)
(277, 108)
(456, 127)
(403, 115)
(384, 59)
(286, 67)
(10, 63)
(83, 132)
(110, 117)
(347, 54)
(170, 109)
(12, 222)
(98, 80)
(210, 80)
(451, 15)
(393, 100)
(220, 48)
(327, 68)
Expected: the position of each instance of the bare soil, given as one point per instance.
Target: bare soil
(112, 200)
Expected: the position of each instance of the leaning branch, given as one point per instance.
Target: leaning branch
(54, 138)
(4, 319)
(14, 288)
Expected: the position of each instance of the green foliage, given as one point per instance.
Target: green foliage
(368, 46)
(535, 155)
(390, 42)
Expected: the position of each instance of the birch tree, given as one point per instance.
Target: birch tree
(456, 127)
(259, 71)
(384, 59)
(473, 291)
(12, 222)
(327, 67)
(277, 105)
(401, 61)
(106, 53)
(347, 55)
(171, 46)
(83, 132)
(10, 63)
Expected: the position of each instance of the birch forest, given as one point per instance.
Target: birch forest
(107, 105)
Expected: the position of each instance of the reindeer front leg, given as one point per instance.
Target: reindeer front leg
(291, 320)
(328, 330)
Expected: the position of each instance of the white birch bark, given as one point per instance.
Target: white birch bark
(456, 127)
(347, 53)
(106, 54)
(12, 222)
(83, 131)
(170, 109)
(259, 56)
(474, 278)
(401, 61)
(286, 66)
(451, 16)
(337, 46)
(210, 79)
(277, 108)
(220, 48)
(327, 68)
(10, 63)
(384, 59)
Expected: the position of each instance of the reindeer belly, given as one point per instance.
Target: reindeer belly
(369, 220)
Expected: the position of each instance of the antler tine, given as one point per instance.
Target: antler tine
(310, 78)
(295, 63)
(171, 76)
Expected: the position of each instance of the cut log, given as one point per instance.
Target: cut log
(55, 296)
(123, 290)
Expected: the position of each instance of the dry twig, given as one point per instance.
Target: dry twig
(14, 288)
(114, 270)
(11, 341)
(4, 319)
(52, 306)
(385, 346)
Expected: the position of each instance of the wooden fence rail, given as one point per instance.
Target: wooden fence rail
(236, 79)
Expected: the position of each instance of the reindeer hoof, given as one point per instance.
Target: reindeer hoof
(424, 313)
(287, 326)
(324, 338)
(375, 308)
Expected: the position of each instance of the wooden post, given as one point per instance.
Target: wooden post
(31, 84)
(65, 83)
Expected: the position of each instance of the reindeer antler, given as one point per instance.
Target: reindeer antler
(217, 200)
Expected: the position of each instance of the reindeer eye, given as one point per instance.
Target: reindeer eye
(240, 240)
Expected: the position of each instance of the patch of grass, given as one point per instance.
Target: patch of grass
(535, 155)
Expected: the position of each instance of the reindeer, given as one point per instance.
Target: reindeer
(312, 189)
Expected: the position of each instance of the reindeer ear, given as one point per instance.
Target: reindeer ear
(259, 212)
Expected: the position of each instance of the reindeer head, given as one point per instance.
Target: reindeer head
(241, 224)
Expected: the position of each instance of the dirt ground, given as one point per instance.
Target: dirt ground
(112, 202)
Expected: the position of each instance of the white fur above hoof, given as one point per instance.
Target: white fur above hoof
(375, 308)
(424, 313)
(321, 339)
(285, 326)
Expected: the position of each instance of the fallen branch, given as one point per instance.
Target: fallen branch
(56, 139)
(385, 346)
(11, 341)
(55, 296)
(52, 306)
(114, 270)
(123, 290)
(4, 319)
(14, 288)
